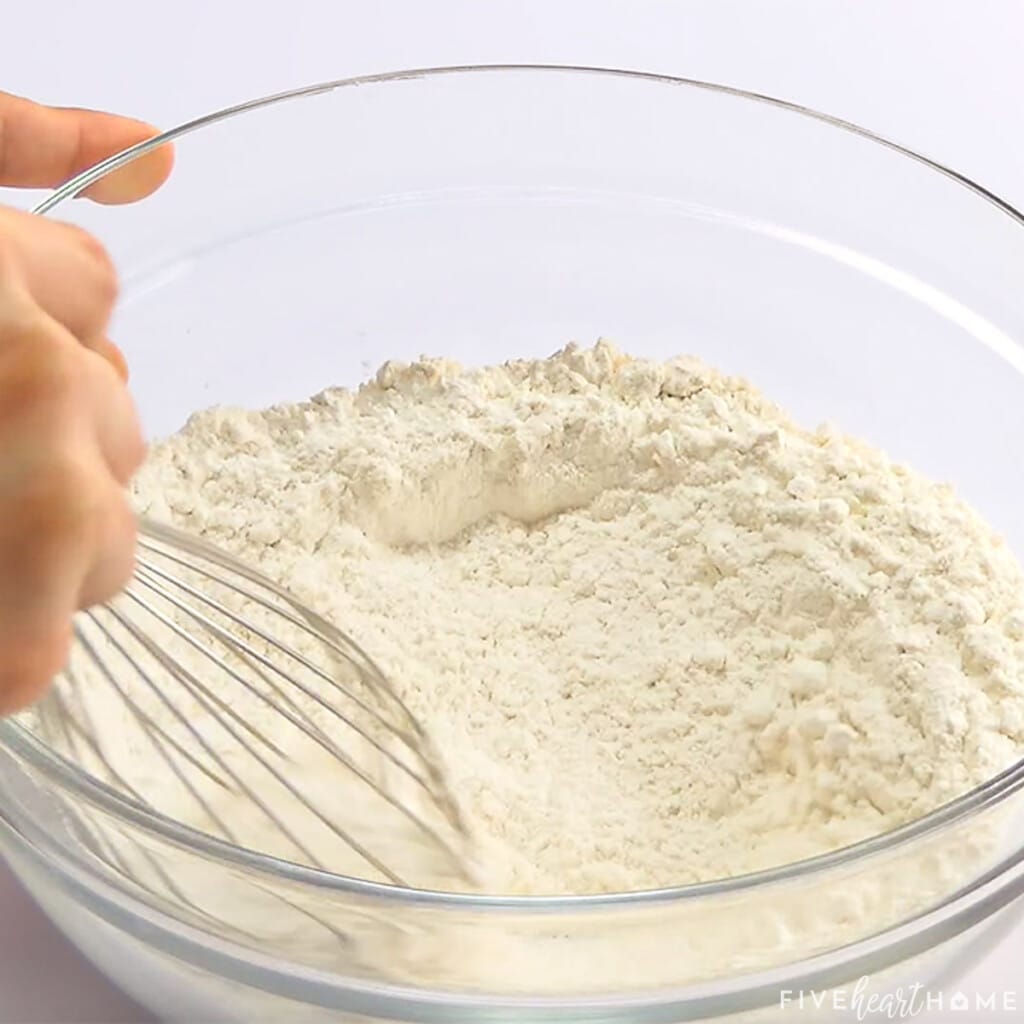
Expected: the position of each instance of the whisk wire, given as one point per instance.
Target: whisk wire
(202, 696)
(158, 737)
(206, 697)
(232, 682)
(136, 711)
(239, 647)
(189, 679)
(146, 571)
(316, 735)
(291, 611)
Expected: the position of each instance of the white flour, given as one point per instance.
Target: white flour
(660, 633)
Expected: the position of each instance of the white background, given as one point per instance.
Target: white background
(942, 76)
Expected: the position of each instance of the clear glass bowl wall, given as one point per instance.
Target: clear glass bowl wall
(485, 214)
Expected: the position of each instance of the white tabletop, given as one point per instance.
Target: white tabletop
(943, 76)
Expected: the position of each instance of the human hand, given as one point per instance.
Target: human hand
(69, 437)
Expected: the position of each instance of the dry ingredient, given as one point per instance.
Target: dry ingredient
(660, 633)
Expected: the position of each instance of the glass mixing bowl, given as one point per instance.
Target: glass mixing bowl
(484, 213)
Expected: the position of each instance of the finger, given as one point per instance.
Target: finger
(40, 363)
(66, 533)
(44, 556)
(114, 556)
(35, 635)
(66, 271)
(113, 417)
(107, 350)
(23, 270)
(41, 147)
(32, 658)
(53, 387)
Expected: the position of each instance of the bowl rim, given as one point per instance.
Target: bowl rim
(21, 742)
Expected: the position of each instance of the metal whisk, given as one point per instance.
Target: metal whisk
(267, 726)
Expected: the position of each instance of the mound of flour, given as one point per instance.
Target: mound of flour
(660, 633)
